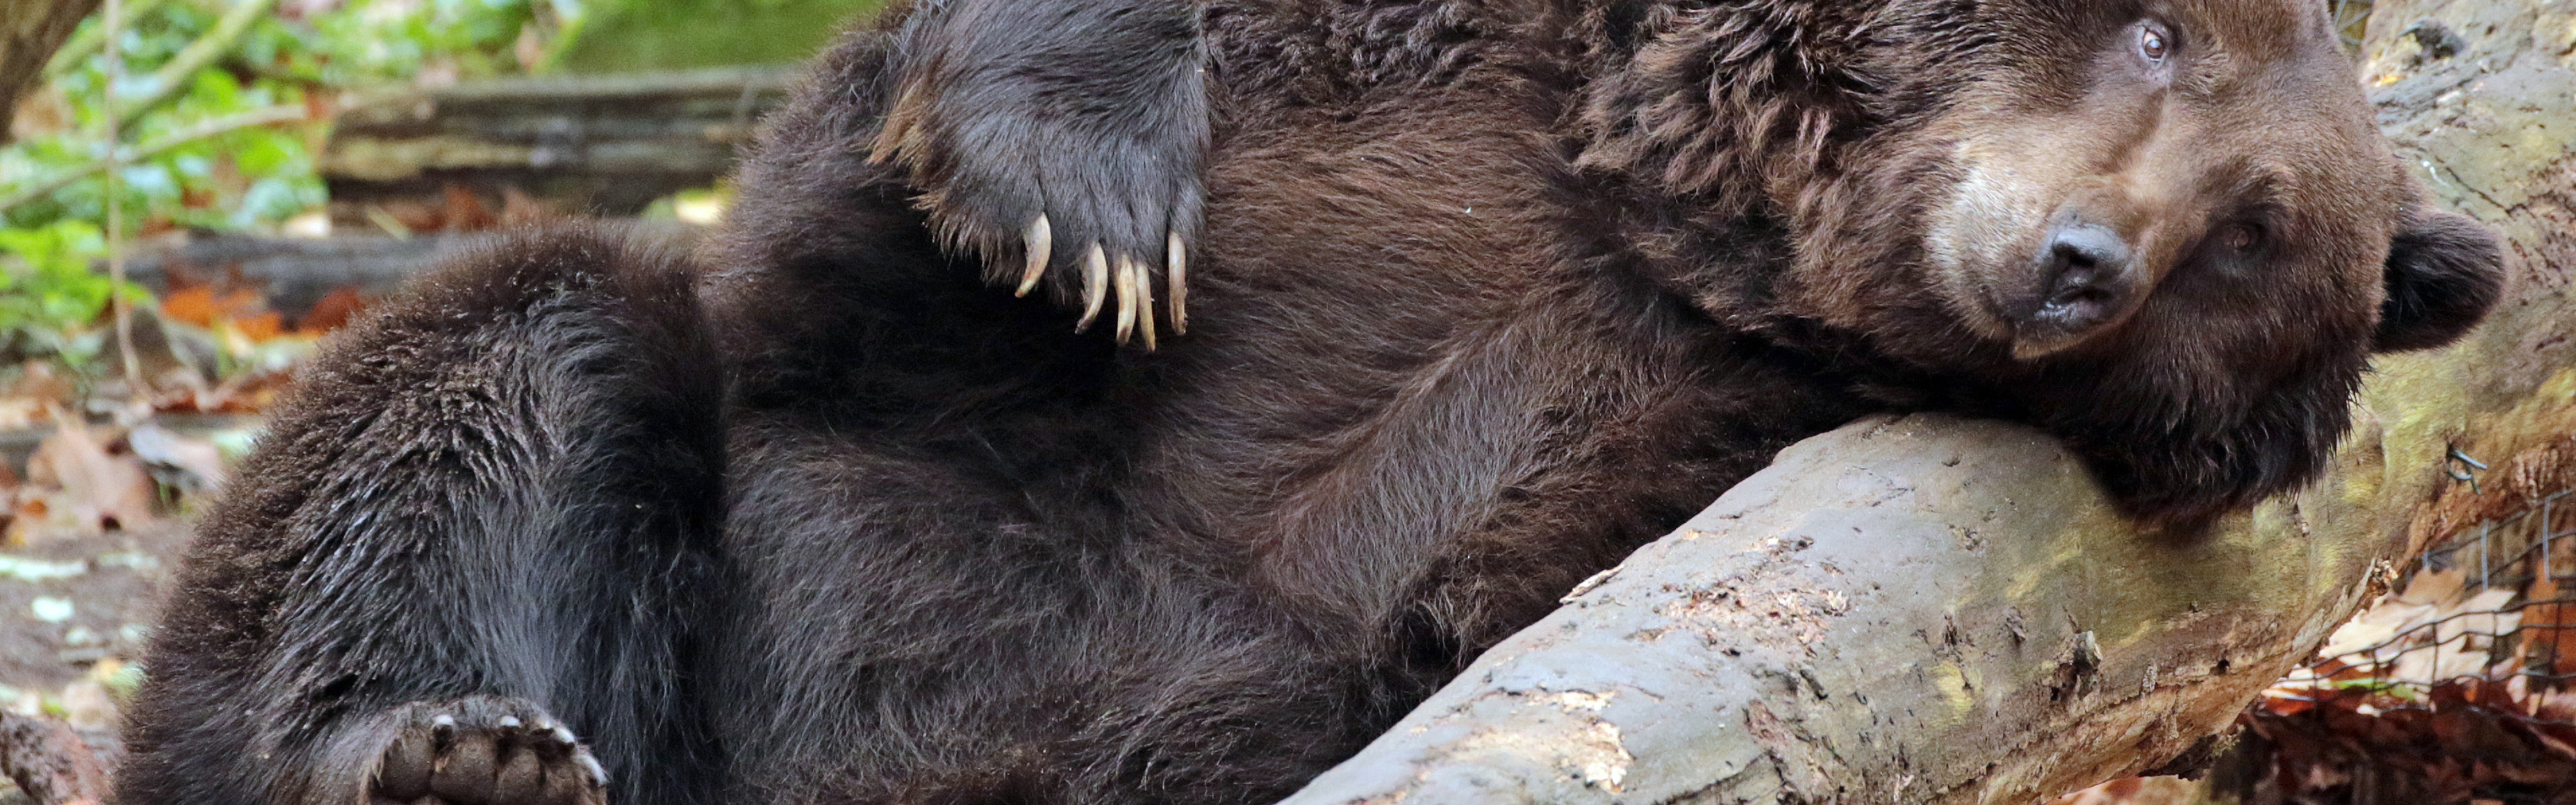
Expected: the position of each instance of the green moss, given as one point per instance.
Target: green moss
(678, 34)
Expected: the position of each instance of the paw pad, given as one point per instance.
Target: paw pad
(485, 751)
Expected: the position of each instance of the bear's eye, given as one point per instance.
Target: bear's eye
(2153, 43)
(2240, 238)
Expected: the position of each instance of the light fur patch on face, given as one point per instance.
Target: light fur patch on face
(1993, 210)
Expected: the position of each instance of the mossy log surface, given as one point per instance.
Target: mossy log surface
(1929, 609)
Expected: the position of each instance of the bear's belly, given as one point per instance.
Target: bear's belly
(914, 632)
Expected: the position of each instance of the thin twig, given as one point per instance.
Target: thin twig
(173, 75)
(270, 116)
(116, 301)
(89, 40)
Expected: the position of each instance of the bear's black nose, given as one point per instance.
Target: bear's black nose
(2084, 276)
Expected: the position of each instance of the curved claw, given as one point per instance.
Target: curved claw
(1176, 272)
(1095, 286)
(1041, 245)
(1144, 301)
(1127, 282)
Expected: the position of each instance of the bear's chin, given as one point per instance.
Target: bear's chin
(2177, 463)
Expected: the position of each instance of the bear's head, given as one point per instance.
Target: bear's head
(2168, 230)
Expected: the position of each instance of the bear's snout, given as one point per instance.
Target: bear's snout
(2083, 280)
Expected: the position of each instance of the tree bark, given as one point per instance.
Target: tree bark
(1928, 609)
(30, 30)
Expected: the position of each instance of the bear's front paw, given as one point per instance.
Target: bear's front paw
(1093, 225)
(484, 750)
(1089, 183)
(1116, 259)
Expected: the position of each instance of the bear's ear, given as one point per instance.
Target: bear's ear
(2444, 271)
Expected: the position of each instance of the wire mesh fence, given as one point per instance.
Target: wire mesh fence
(2512, 615)
(2458, 688)
(2508, 618)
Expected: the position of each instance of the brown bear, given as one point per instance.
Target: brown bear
(1486, 294)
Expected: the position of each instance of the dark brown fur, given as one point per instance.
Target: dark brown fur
(1491, 292)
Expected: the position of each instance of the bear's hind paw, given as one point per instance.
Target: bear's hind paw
(484, 750)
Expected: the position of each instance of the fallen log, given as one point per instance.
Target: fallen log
(603, 145)
(294, 273)
(1935, 610)
(50, 762)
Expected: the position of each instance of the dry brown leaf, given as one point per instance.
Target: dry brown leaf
(2137, 791)
(203, 307)
(261, 327)
(2375, 626)
(2547, 642)
(466, 212)
(83, 488)
(38, 384)
(333, 311)
(196, 462)
(520, 209)
(2434, 587)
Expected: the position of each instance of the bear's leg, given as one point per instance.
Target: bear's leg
(477, 541)
(1063, 141)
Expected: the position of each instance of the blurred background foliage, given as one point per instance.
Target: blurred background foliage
(220, 108)
(187, 139)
